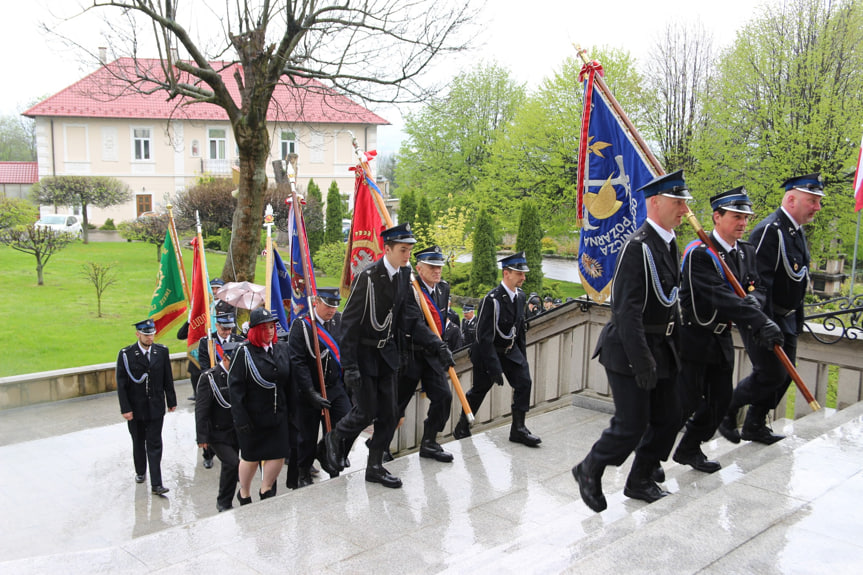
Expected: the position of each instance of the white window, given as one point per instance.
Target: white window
(288, 144)
(217, 143)
(142, 142)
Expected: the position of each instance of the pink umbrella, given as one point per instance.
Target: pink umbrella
(242, 294)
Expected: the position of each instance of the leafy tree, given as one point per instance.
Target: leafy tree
(529, 240)
(451, 233)
(148, 229)
(17, 139)
(483, 274)
(102, 276)
(211, 199)
(39, 241)
(333, 233)
(789, 101)
(423, 224)
(84, 191)
(407, 207)
(449, 141)
(330, 258)
(17, 212)
(374, 50)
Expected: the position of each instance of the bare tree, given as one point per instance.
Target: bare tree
(678, 74)
(101, 276)
(374, 49)
(40, 241)
(149, 229)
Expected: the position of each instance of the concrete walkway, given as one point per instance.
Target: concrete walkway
(70, 505)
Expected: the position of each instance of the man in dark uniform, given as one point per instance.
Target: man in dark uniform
(381, 302)
(225, 324)
(306, 381)
(709, 305)
(215, 425)
(425, 361)
(534, 306)
(468, 325)
(183, 333)
(782, 263)
(638, 350)
(499, 349)
(144, 385)
(451, 333)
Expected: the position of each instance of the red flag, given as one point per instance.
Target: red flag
(365, 246)
(198, 309)
(858, 182)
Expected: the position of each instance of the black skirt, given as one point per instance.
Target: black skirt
(264, 443)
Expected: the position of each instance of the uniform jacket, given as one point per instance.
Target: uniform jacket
(642, 313)
(784, 273)
(708, 303)
(252, 404)
(213, 421)
(304, 366)
(468, 331)
(452, 336)
(204, 350)
(368, 332)
(499, 330)
(426, 353)
(146, 400)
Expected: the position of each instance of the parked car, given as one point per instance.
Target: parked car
(61, 223)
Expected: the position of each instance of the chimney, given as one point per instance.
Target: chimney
(103, 55)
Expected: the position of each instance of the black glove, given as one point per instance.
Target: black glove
(751, 301)
(246, 428)
(353, 379)
(317, 400)
(444, 355)
(496, 377)
(646, 379)
(769, 334)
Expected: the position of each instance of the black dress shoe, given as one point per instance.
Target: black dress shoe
(380, 475)
(322, 458)
(208, 463)
(159, 490)
(333, 451)
(761, 435)
(220, 507)
(590, 489)
(243, 500)
(433, 450)
(728, 429)
(271, 492)
(191, 398)
(697, 460)
(462, 428)
(644, 489)
(658, 474)
(139, 479)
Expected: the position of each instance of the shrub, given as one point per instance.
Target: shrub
(108, 225)
(225, 239)
(213, 243)
(330, 258)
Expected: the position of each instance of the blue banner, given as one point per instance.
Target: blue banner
(299, 245)
(279, 288)
(612, 208)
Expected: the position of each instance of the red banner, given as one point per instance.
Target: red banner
(365, 246)
(198, 309)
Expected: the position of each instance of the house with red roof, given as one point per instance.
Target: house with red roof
(16, 179)
(160, 147)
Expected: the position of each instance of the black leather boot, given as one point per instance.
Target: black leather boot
(519, 433)
(689, 452)
(728, 427)
(589, 478)
(462, 428)
(430, 448)
(305, 478)
(376, 473)
(658, 473)
(639, 485)
(333, 452)
(754, 428)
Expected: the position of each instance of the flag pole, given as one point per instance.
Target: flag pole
(307, 272)
(268, 223)
(854, 261)
(205, 277)
(172, 229)
(693, 221)
(382, 209)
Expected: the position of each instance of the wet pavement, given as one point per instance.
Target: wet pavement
(70, 505)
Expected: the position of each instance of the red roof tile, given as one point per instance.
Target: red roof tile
(19, 173)
(103, 94)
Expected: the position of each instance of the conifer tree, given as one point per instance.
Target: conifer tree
(333, 232)
(483, 275)
(529, 241)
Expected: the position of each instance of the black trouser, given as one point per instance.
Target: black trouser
(147, 447)
(436, 388)
(705, 392)
(310, 419)
(518, 375)
(769, 379)
(374, 401)
(644, 421)
(229, 456)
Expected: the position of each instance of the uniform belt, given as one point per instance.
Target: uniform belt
(781, 311)
(660, 328)
(378, 343)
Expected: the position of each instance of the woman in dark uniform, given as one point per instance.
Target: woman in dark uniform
(259, 380)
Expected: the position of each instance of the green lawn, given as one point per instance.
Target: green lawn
(54, 326)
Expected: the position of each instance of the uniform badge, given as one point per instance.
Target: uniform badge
(795, 267)
(751, 287)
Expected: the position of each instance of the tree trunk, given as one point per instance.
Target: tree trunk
(85, 224)
(39, 272)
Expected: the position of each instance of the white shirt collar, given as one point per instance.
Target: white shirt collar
(509, 292)
(722, 242)
(391, 270)
(793, 221)
(430, 288)
(666, 235)
(144, 351)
